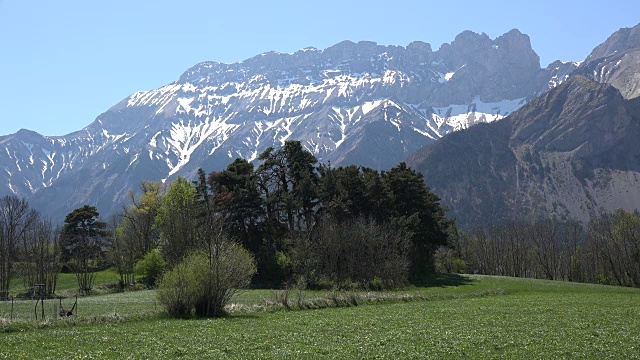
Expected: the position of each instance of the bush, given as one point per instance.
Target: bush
(151, 267)
(447, 262)
(176, 289)
(206, 280)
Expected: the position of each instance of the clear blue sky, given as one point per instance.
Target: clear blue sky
(64, 62)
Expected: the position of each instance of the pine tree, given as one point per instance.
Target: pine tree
(82, 241)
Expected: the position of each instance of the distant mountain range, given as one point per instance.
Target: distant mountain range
(353, 103)
(571, 153)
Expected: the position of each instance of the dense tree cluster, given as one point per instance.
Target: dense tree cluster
(299, 220)
(288, 209)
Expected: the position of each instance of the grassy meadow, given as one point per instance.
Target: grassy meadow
(67, 283)
(471, 317)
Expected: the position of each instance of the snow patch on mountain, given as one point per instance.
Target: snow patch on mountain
(187, 137)
(459, 117)
(370, 105)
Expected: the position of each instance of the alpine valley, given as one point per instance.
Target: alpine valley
(357, 103)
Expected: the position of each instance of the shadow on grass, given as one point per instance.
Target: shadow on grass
(443, 280)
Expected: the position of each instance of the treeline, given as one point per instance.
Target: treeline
(29, 248)
(33, 250)
(604, 251)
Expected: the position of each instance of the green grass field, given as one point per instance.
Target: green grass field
(484, 317)
(67, 283)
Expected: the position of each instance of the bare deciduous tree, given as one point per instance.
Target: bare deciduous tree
(355, 252)
(40, 257)
(16, 218)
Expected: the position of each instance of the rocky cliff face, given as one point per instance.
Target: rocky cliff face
(353, 103)
(620, 41)
(570, 154)
(616, 62)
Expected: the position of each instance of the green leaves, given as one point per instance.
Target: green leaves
(177, 220)
(151, 267)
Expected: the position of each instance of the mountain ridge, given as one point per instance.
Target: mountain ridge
(352, 103)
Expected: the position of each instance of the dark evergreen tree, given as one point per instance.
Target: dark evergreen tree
(236, 197)
(288, 181)
(378, 196)
(415, 208)
(343, 192)
(82, 241)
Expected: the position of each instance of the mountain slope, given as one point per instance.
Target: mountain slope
(570, 153)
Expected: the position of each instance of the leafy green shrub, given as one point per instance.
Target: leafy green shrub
(151, 267)
(376, 284)
(459, 266)
(176, 290)
(206, 280)
(447, 262)
(283, 261)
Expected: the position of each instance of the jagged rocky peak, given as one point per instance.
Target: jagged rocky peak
(622, 40)
(555, 74)
(306, 65)
(348, 50)
(370, 57)
(562, 65)
(471, 59)
(466, 45)
(419, 47)
(516, 46)
(469, 46)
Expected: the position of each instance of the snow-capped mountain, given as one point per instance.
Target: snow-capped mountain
(353, 103)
